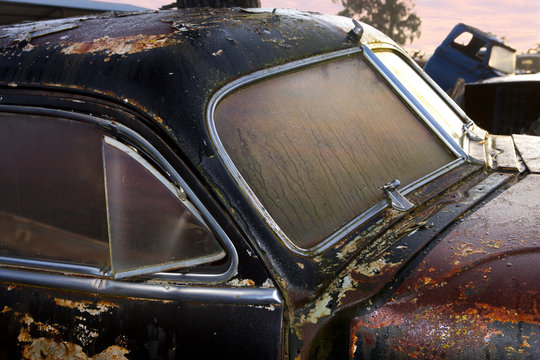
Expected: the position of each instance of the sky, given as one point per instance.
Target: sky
(517, 21)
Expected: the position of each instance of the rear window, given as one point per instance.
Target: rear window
(316, 145)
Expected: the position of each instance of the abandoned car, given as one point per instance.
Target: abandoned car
(505, 105)
(256, 184)
(470, 54)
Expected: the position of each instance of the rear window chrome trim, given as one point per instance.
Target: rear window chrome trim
(376, 208)
(436, 88)
(414, 104)
(126, 133)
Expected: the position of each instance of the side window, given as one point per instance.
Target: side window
(470, 45)
(52, 190)
(149, 225)
(71, 194)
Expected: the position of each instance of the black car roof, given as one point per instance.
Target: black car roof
(167, 63)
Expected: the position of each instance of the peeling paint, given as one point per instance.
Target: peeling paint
(320, 309)
(374, 267)
(241, 283)
(85, 306)
(85, 335)
(52, 347)
(121, 45)
(269, 307)
(43, 348)
(268, 284)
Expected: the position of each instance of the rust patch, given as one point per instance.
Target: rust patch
(374, 268)
(475, 293)
(85, 306)
(431, 332)
(121, 45)
(43, 348)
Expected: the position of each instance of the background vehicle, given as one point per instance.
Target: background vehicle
(528, 63)
(470, 54)
(505, 105)
(253, 184)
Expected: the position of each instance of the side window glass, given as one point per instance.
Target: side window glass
(503, 59)
(52, 203)
(71, 194)
(463, 39)
(470, 45)
(149, 225)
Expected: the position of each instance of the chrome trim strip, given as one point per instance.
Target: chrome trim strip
(169, 170)
(437, 89)
(413, 103)
(446, 98)
(56, 266)
(257, 75)
(351, 225)
(241, 295)
(381, 205)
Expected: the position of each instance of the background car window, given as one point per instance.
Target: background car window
(52, 190)
(469, 45)
(316, 145)
(150, 227)
(68, 196)
(502, 59)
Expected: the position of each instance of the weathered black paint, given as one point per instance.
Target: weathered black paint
(144, 328)
(155, 72)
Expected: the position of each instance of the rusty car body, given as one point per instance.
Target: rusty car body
(253, 183)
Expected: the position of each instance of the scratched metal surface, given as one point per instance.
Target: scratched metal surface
(475, 295)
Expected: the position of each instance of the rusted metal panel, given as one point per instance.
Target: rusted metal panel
(38, 323)
(501, 153)
(475, 295)
(360, 286)
(529, 149)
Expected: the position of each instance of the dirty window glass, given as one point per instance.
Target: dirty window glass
(502, 59)
(151, 229)
(316, 145)
(469, 45)
(429, 99)
(52, 191)
(67, 196)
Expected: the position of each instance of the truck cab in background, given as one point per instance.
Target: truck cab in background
(470, 54)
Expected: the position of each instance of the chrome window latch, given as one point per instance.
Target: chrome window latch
(398, 201)
(470, 134)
